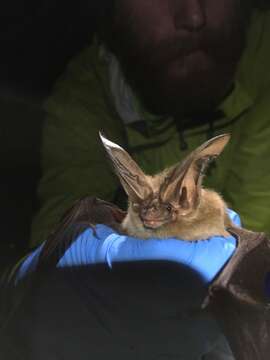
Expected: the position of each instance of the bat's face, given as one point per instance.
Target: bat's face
(154, 213)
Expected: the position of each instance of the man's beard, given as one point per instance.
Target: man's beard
(183, 75)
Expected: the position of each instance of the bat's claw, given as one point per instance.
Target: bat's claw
(211, 294)
(93, 228)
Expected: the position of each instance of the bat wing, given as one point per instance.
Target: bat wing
(239, 299)
(85, 212)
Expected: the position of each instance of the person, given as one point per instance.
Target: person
(160, 78)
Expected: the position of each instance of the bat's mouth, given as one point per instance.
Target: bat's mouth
(152, 224)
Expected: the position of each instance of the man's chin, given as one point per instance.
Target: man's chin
(183, 102)
(187, 95)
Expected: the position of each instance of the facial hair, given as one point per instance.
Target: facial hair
(183, 74)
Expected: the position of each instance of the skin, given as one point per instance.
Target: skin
(180, 56)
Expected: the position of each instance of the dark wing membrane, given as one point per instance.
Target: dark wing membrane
(239, 299)
(85, 213)
(246, 328)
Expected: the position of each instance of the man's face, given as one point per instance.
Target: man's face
(180, 55)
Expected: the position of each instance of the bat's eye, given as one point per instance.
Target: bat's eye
(169, 207)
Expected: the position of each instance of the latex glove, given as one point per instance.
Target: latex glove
(206, 257)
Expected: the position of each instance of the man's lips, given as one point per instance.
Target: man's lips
(172, 49)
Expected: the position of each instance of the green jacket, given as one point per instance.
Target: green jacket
(83, 102)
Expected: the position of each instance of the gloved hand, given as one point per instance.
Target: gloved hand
(206, 257)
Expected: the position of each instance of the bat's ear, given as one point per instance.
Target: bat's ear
(182, 187)
(132, 178)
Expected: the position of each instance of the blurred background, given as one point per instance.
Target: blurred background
(37, 37)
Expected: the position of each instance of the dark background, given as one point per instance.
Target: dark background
(37, 38)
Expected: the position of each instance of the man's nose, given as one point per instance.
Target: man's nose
(189, 14)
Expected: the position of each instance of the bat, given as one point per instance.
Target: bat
(172, 203)
(237, 297)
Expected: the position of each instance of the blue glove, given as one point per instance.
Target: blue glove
(206, 257)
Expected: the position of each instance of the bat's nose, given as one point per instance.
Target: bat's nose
(150, 211)
(151, 217)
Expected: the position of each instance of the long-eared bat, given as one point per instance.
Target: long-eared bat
(172, 203)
